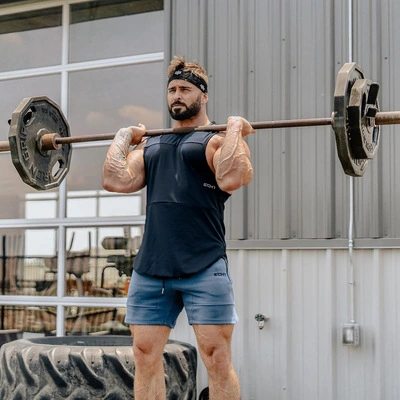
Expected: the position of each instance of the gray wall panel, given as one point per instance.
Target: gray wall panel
(389, 161)
(227, 91)
(298, 355)
(367, 53)
(376, 48)
(289, 162)
(271, 212)
(271, 60)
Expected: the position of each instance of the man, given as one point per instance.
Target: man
(182, 260)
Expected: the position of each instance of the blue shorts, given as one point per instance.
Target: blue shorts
(207, 297)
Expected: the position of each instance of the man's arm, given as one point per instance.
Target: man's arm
(231, 160)
(123, 171)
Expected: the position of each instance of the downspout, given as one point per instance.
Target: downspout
(62, 194)
(351, 190)
(168, 20)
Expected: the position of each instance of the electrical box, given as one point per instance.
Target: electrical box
(350, 334)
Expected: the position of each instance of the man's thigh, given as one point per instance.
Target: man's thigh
(208, 296)
(151, 301)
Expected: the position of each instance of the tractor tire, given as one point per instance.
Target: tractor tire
(86, 368)
(205, 394)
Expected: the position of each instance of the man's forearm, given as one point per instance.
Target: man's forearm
(123, 170)
(116, 159)
(233, 168)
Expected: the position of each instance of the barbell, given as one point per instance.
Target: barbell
(40, 140)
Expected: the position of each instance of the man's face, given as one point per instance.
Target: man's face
(184, 99)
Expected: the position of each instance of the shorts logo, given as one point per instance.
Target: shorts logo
(220, 274)
(207, 185)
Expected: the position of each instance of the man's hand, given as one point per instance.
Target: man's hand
(136, 133)
(240, 124)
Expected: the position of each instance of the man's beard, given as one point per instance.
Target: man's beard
(185, 112)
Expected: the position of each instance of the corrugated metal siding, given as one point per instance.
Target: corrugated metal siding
(387, 54)
(298, 355)
(366, 51)
(279, 60)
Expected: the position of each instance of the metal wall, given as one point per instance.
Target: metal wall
(298, 355)
(279, 60)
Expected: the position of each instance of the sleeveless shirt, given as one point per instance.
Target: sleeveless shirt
(184, 229)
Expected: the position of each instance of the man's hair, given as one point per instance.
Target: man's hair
(179, 63)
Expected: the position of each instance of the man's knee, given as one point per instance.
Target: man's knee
(148, 345)
(216, 356)
(217, 359)
(146, 353)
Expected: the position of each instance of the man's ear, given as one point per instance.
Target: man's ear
(205, 98)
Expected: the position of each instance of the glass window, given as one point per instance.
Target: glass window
(95, 321)
(26, 322)
(103, 204)
(30, 39)
(103, 104)
(86, 197)
(111, 206)
(100, 260)
(41, 205)
(104, 100)
(27, 262)
(13, 199)
(14, 90)
(85, 175)
(36, 321)
(105, 29)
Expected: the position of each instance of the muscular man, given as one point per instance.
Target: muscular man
(182, 260)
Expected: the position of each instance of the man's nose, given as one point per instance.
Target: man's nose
(177, 95)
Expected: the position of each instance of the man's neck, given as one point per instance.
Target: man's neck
(194, 121)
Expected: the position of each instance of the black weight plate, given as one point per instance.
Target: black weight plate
(33, 117)
(347, 76)
(362, 131)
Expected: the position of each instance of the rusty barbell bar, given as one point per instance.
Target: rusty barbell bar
(52, 141)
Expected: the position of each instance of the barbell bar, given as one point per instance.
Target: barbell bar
(51, 141)
(40, 140)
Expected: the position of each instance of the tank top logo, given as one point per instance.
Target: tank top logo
(207, 185)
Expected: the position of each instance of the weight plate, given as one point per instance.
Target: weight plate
(347, 76)
(363, 106)
(34, 117)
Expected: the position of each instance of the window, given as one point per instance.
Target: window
(22, 37)
(106, 71)
(103, 29)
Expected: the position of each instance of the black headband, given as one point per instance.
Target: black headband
(191, 77)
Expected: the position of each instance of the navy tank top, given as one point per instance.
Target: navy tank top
(184, 230)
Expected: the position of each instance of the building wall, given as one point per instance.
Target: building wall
(272, 60)
(306, 294)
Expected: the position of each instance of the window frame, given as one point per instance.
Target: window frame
(62, 223)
